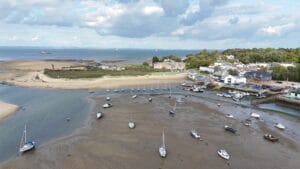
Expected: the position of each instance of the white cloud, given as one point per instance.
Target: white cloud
(150, 10)
(35, 38)
(13, 38)
(277, 30)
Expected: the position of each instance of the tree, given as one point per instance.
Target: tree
(233, 72)
(155, 59)
(145, 63)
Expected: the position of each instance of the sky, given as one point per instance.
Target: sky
(151, 24)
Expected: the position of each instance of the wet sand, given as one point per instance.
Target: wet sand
(108, 143)
(6, 109)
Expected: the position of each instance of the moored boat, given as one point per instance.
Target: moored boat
(255, 115)
(223, 153)
(134, 96)
(99, 115)
(195, 134)
(26, 145)
(107, 99)
(280, 126)
(230, 129)
(162, 149)
(131, 125)
(271, 138)
(229, 116)
(107, 105)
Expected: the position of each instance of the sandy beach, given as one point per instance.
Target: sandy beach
(108, 143)
(7, 109)
(23, 73)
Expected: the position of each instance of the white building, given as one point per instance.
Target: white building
(229, 56)
(235, 80)
(206, 69)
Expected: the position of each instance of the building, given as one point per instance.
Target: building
(169, 65)
(256, 75)
(206, 69)
(235, 80)
(229, 56)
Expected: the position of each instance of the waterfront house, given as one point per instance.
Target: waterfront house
(235, 80)
(257, 75)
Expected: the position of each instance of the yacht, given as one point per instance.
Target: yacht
(134, 96)
(162, 149)
(26, 145)
(107, 98)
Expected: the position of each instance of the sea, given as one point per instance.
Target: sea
(138, 55)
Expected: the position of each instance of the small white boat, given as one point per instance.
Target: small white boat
(247, 122)
(230, 116)
(131, 125)
(107, 98)
(99, 115)
(162, 149)
(219, 104)
(134, 96)
(195, 134)
(280, 126)
(107, 105)
(220, 94)
(255, 115)
(26, 145)
(223, 153)
(150, 99)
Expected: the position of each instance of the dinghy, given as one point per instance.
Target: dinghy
(230, 129)
(99, 115)
(131, 125)
(223, 153)
(195, 134)
(229, 116)
(107, 98)
(107, 105)
(271, 138)
(280, 126)
(134, 96)
(150, 99)
(255, 115)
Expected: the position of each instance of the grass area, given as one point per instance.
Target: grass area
(132, 70)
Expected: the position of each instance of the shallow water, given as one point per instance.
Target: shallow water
(44, 112)
(280, 108)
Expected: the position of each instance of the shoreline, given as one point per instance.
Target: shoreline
(75, 150)
(6, 109)
(23, 73)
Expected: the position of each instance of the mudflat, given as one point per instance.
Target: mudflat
(108, 143)
(6, 109)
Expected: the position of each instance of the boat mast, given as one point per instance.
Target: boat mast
(163, 138)
(25, 135)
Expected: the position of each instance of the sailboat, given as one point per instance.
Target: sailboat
(26, 145)
(162, 149)
(131, 123)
